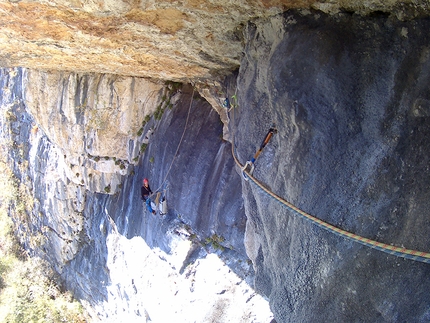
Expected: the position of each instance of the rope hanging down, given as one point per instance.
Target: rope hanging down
(392, 250)
(179, 145)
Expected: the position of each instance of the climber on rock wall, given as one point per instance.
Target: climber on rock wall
(145, 192)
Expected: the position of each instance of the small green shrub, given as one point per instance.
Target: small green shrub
(159, 112)
(217, 238)
(107, 189)
(173, 86)
(143, 148)
(217, 246)
(216, 242)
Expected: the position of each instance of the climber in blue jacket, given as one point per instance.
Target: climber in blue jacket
(145, 192)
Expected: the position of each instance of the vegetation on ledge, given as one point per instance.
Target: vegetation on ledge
(28, 292)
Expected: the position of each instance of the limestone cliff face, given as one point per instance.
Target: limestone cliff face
(350, 100)
(95, 120)
(105, 246)
(190, 39)
(348, 95)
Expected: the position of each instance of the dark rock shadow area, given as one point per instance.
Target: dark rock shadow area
(350, 99)
(199, 181)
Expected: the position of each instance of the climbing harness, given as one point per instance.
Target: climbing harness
(249, 165)
(389, 249)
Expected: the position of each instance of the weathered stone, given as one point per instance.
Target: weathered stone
(160, 39)
(96, 120)
(348, 97)
(99, 242)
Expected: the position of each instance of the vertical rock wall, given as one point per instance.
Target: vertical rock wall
(96, 120)
(69, 136)
(350, 100)
(167, 263)
(121, 261)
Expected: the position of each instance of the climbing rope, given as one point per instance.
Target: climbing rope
(392, 250)
(179, 145)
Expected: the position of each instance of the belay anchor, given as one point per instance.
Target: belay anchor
(249, 165)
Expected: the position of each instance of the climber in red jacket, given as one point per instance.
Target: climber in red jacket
(145, 192)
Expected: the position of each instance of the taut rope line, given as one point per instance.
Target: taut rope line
(180, 142)
(392, 250)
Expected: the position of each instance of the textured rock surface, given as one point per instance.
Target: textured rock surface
(350, 100)
(348, 94)
(95, 120)
(120, 261)
(162, 39)
(48, 218)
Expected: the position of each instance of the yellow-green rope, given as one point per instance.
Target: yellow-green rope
(392, 250)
